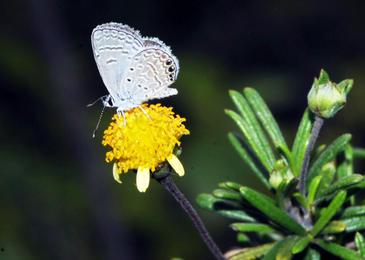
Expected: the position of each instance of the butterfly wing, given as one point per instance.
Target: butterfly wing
(150, 73)
(114, 45)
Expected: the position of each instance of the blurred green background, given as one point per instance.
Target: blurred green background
(58, 199)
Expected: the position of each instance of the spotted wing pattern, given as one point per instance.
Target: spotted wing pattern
(114, 45)
(150, 73)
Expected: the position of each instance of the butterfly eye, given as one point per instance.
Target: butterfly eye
(168, 62)
(171, 69)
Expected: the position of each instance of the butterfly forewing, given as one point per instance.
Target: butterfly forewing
(114, 45)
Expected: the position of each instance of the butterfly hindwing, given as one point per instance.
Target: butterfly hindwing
(150, 73)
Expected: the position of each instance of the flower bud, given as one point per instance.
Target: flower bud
(279, 173)
(326, 98)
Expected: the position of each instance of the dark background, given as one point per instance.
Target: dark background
(58, 199)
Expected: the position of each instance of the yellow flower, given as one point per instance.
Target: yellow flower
(144, 141)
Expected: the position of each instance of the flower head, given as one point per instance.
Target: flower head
(326, 98)
(144, 141)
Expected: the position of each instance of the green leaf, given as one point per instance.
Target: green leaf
(359, 152)
(223, 207)
(334, 227)
(285, 153)
(329, 212)
(249, 252)
(328, 155)
(239, 145)
(345, 162)
(312, 255)
(301, 140)
(252, 227)
(285, 252)
(327, 173)
(230, 185)
(343, 183)
(264, 114)
(271, 255)
(353, 211)
(300, 245)
(354, 224)
(340, 251)
(301, 199)
(253, 126)
(242, 238)
(265, 205)
(313, 187)
(227, 194)
(360, 243)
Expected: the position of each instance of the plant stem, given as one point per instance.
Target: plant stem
(171, 187)
(359, 152)
(318, 122)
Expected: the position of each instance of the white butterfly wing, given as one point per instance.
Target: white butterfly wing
(150, 73)
(114, 45)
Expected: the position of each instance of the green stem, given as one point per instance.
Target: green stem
(167, 182)
(317, 125)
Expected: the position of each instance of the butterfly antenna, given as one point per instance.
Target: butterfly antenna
(93, 103)
(97, 125)
(144, 111)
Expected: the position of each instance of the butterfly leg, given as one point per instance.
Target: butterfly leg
(144, 111)
(121, 113)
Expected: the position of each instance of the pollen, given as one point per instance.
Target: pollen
(145, 140)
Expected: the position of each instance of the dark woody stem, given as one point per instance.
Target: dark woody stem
(317, 125)
(170, 186)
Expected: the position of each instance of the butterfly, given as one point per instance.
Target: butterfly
(134, 69)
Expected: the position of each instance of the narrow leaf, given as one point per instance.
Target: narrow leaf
(285, 153)
(345, 162)
(330, 211)
(264, 204)
(223, 207)
(253, 125)
(340, 251)
(285, 252)
(353, 211)
(230, 185)
(301, 199)
(328, 155)
(253, 141)
(312, 255)
(248, 252)
(239, 145)
(227, 194)
(354, 224)
(360, 243)
(242, 238)
(271, 255)
(252, 227)
(343, 183)
(301, 140)
(264, 114)
(313, 187)
(334, 227)
(328, 174)
(300, 245)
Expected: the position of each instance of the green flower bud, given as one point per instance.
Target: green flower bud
(279, 173)
(326, 98)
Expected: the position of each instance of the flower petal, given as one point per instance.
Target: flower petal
(143, 179)
(116, 173)
(176, 165)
